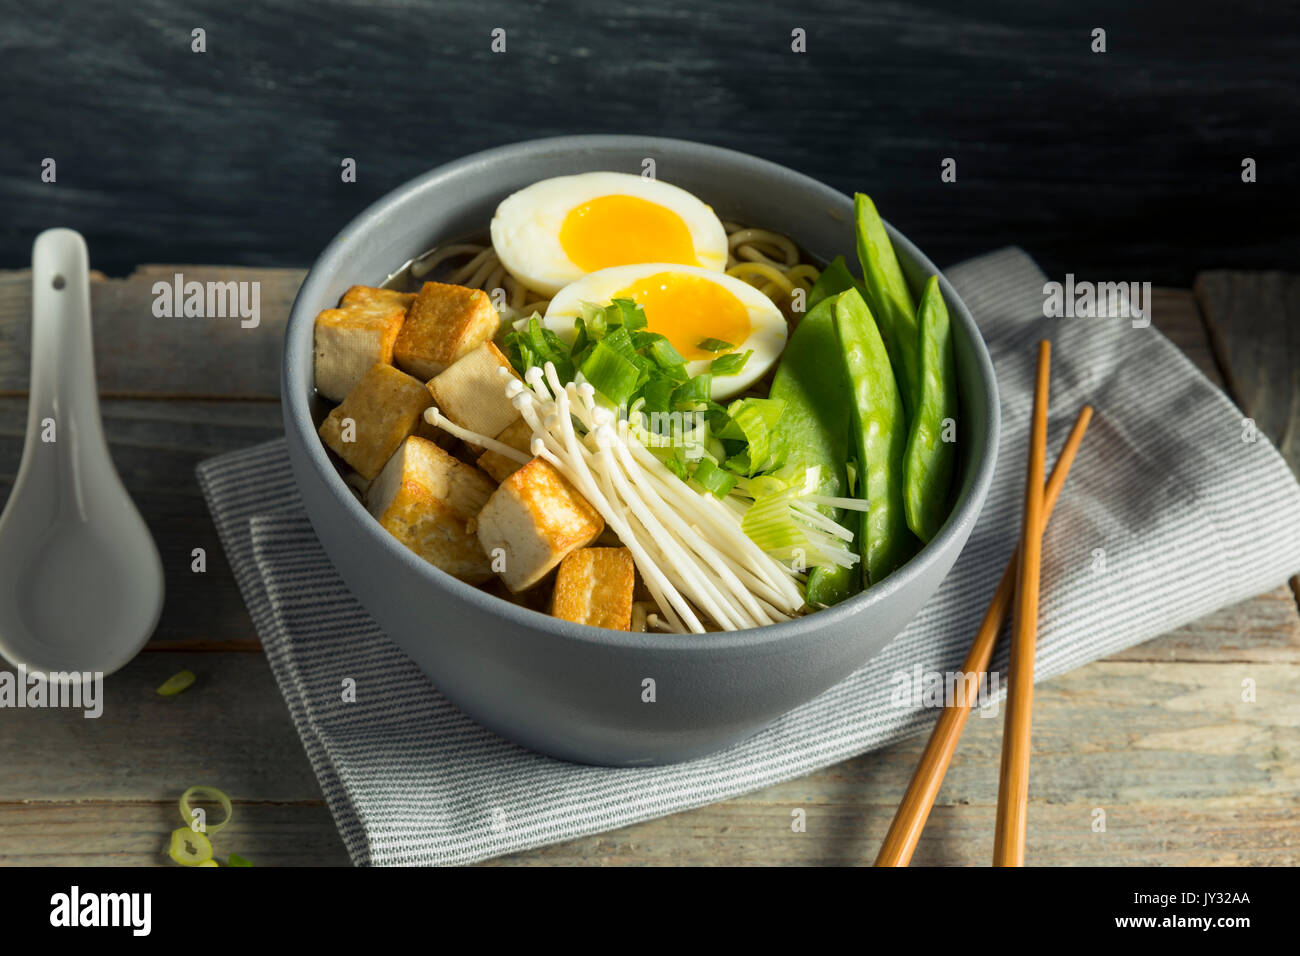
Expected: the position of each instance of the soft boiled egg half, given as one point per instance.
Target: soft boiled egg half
(688, 306)
(558, 230)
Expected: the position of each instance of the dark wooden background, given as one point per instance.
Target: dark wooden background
(1123, 165)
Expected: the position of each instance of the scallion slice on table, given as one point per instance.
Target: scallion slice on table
(189, 847)
(176, 683)
(201, 792)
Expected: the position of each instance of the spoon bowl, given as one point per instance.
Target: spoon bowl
(81, 580)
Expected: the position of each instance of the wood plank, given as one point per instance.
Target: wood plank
(1266, 627)
(1135, 758)
(1161, 747)
(1186, 773)
(726, 834)
(955, 835)
(139, 354)
(1254, 326)
(156, 446)
(231, 729)
(136, 834)
(1263, 628)
(1176, 313)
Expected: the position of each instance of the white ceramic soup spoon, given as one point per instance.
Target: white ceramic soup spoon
(81, 582)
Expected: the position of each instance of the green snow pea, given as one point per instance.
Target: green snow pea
(930, 459)
(880, 431)
(834, 279)
(814, 427)
(889, 298)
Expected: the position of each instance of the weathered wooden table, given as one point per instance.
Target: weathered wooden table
(1158, 736)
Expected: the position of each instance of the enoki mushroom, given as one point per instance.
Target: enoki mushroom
(695, 560)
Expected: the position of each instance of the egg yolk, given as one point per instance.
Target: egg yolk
(688, 309)
(622, 231)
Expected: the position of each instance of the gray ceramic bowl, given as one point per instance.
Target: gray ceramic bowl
(565, 689)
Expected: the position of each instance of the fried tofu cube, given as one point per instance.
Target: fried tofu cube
(424, 498)
(375, 418)
(360, 333)
(472, 391)
(535, 517)
(369, 296)
(594, 586)
(444, 323)
(518, 435)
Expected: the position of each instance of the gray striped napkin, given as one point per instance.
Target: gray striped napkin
(1168, 515)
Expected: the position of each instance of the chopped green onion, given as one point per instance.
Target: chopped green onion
(189, 848)
(713, 479)
(610, 372)
(536, 345)
(620, 340)
(202, 792)
(714, 345)
(593, 317)
(771, 526)
(753, 420)
(746, 416)
(237, 860)
(658, 394)
(580, 337)
(730, 364)
(764, 485)
(675, 464)
(682, 538)
(690, 395)
(660, 351)
(176, 683)
(789, 529)
(738, 463)
(631, 316)
(651, 368)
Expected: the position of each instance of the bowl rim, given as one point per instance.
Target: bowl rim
(298, 417)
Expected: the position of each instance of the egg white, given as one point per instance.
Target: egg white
(526, 227)
(768, 329)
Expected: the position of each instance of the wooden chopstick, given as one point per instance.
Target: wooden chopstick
(1013, 784)
(914, 810)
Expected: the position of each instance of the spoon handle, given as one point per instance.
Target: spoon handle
(62, 385)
